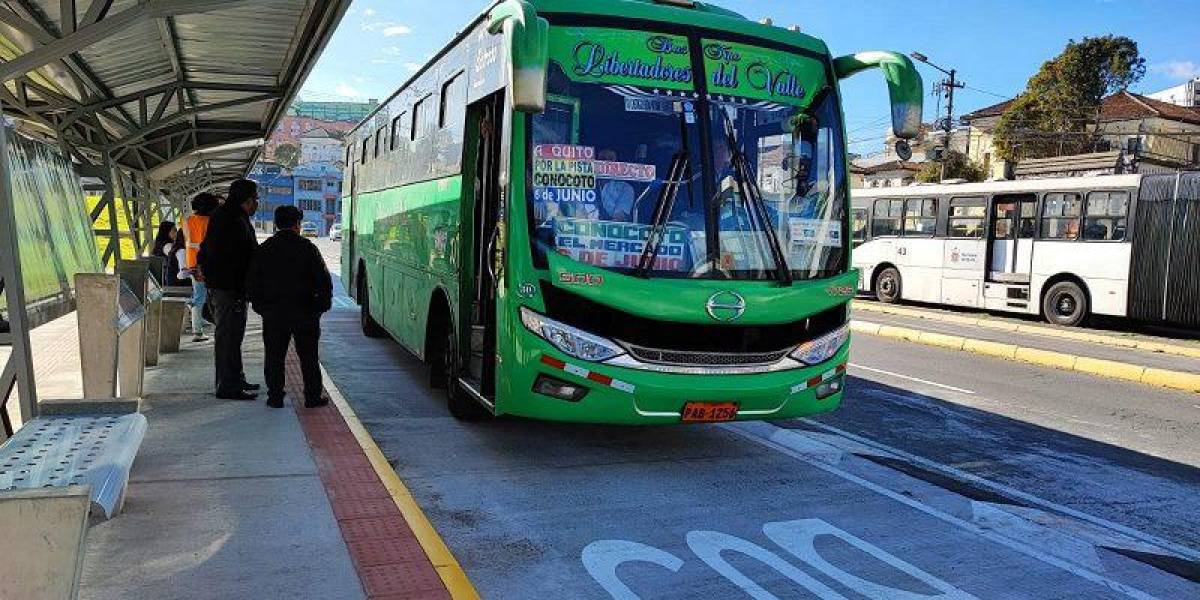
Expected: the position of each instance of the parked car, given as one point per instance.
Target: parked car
(335, 232)
(309, 230)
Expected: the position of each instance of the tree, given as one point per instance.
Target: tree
(1059, 110)
(287, 155)
(958, 166)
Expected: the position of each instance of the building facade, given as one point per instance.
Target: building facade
(318, 192)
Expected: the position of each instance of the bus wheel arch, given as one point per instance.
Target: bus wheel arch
(370, 327)
(887, 283)
(445, 358)
(1066, 300)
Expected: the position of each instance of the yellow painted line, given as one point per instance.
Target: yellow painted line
(1078, 336)
(447, 567)
(1177, 380)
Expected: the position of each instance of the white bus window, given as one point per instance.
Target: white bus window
(920, 218)
(966, 217)
(1061, 216)
(859, 220)
(889, 218)
(1002, 221)
(1028, 222)
(1106, 218)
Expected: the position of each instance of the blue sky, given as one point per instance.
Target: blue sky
(995, 46)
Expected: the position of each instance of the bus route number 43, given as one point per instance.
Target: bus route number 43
(798, 538)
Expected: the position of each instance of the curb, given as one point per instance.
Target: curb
(453, 577)
(1078, 336)
(1176, 380)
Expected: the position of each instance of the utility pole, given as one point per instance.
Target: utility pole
(947, 85)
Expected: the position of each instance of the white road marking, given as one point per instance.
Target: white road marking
(770, 436)
(910, 378)
(1167, 547)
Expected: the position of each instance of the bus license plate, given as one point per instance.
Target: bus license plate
(709, 412)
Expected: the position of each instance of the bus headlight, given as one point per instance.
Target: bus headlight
(575, 342)
(822, 348)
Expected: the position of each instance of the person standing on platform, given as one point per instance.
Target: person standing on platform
(225, 254)
(195, 228)
(289, 285)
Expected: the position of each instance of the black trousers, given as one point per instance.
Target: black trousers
(278, 331)
(229, 314)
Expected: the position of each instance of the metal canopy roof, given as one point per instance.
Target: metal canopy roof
(176, 89)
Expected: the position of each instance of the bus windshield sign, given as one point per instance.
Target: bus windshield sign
(617, 159)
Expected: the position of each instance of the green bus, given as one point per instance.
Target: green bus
(615, 211)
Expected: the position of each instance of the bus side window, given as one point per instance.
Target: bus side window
(1002, 221)
(418, 118)
(920, 217)
(966, 217)
(366, 145)
(1061, 216)
(859, 219)
(378, 141)
(397, 130)
(454, 102)
(889, 218)
(1106, 217)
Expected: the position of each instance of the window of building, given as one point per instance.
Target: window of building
(1107, 216)
(1062, 215)
(454, 102)
(920, 217)
(889, 218)
(310, 205)
(310, 185)
(859, 220)
(966, 217)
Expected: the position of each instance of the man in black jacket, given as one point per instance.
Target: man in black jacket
(225, 257)
(291, 288)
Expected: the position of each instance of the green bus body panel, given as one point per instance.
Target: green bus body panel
(408, 238)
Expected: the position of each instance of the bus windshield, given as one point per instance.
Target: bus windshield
(632, 170)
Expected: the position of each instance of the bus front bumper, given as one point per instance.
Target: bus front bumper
(621, 395)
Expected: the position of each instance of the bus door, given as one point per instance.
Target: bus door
(1010, 238)
(486, 118)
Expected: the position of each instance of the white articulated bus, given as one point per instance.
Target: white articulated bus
(1122, 245)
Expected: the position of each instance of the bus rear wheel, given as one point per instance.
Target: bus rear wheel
(1066, 304)
(370, 327)
(888, 286)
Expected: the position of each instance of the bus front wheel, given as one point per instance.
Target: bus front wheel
(370, 327)
(1066, 304)
(462, 406)
(888, 285)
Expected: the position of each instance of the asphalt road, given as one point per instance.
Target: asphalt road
(945, 474)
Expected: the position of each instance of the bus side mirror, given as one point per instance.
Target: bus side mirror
(527, 41)
(904, 86)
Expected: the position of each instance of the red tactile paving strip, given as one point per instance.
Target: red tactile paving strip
(390, 561)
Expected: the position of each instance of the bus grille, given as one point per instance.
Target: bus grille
(704, 359)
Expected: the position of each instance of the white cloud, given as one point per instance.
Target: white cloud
(1178, 69)
(368, 12)
(387, 28)
(345, 89)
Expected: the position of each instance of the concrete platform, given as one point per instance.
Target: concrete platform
(224, 499)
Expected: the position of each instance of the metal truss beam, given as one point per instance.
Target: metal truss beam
(17, 370)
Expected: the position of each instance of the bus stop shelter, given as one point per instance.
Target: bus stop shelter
(150, 101)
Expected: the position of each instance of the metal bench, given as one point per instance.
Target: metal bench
(75, 450)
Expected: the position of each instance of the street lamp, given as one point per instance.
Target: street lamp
(949, 85)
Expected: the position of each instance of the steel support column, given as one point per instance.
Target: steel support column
(17, 371)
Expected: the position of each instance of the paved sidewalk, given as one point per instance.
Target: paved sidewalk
(224, 499)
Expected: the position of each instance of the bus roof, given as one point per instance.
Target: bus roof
(699, 14)
(1001, 187)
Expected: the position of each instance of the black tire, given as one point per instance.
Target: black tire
(1066, 304)
(888, 286)
(370, 327)
(460, 403)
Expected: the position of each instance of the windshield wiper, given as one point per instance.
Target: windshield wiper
(662, 210)
(755, 200)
